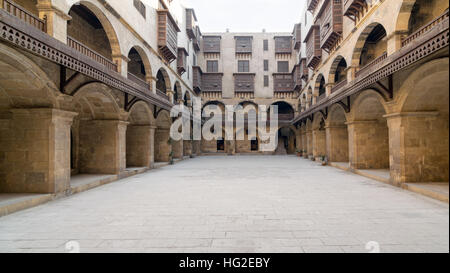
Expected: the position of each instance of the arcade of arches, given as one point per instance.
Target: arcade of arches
(49, 136)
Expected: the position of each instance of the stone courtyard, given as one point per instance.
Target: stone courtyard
(250, 204)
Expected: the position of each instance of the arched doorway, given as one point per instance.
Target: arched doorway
(320, 91)
(337, 135)
(319, 136)
(162, 81)
(338, 71)
(286, 141)
(419, 131)
(140, 136)
(163, 143)
(368, 132)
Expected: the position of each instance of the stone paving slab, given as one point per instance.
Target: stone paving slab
(234, 204)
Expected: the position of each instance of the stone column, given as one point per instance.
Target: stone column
(56, 20)
(351, 73)
(162, 146)
(337, 143)
(140, 145)
(328, 87)
(177, 148)
(319, 143)
(35, 151)
(418, 145)
(122, 64)
(102, 146)
(187, 146)
(394, 41)
(304, 142)
(309, 142)
(368, 145)
(299, 142)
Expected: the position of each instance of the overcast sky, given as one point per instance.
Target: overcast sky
(247, 15)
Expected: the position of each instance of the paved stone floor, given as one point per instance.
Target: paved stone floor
(234, 204)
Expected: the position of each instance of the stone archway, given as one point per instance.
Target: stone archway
(139, 65)
(371, 44)
(35, 135)
(319, 136)
(163, 143)
(99, 131)
(320, 88)
(338, 70)
(419, 128)
(88, 21)
(337, 134)
(163, 81)
(140, 136)
(368, 132)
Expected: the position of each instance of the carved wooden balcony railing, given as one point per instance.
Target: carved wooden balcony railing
(313, 50)
(283, 45)
(191, 23)
(425, 45)
(372, 63)
(331, 23)
(212, 82)
(321, 98)
(244, 82)
(352, 8)
(138, 80)
(425, 29)
(167, 35)
(162, 94)
(80, 47)
(312, 4)
(197, 78)
(338, 86)
(14, 32)
(24, 15)
(182, 60)
(297, 33)
(283, 82)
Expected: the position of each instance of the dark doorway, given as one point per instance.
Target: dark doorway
(255, 145)
(221, 145)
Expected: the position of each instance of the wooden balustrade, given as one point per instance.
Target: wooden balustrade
(138, 80)
(80, 47)
(162, 94)
(372, 63)
(424, 29)
(24, 15)
(338, 86)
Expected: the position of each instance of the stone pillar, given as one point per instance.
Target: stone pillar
(309, 142)
(187, 146)
(299, 142)
(304, 143)
(177, 148)
(351, 73)
(140, 145)
(35, 151)
(337, 143)
(56, 20)
(418, 145)
(368, 145)
(394, 41)
(102, 146)
(328, 87)
(319, 143)
(122, 64)
(162, 146)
